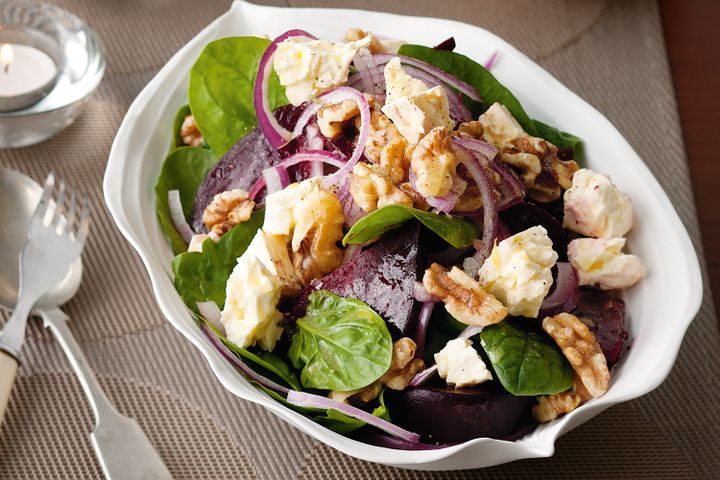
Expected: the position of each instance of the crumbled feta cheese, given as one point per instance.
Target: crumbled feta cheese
(517, 272)
(499, 126)
(250, 315)
(414, 108)
(595, 207)
(460, 364)
(600, 261)
(309, 67)
(272, 251)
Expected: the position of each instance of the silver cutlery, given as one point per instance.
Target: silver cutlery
(56, 236)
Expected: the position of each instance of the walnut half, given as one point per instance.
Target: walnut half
(550, 407)
(190, 133)
(434, 164)
(227, 209)
(370, 190)
(582, 350)
(463, 297)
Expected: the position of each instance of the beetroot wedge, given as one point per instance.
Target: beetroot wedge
(383, 276)
(607, 314)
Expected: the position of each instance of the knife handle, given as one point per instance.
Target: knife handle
(8, 370)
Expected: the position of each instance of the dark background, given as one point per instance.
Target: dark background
(692, 33)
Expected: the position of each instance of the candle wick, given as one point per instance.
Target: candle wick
(7, 67)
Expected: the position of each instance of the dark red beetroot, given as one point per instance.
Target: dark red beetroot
(608, 316)
(448, 415)
(525, 215)
(383, 276)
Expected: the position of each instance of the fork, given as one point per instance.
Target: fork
(54, 242)
(123, 449)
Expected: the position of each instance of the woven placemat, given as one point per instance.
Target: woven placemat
(611, 53)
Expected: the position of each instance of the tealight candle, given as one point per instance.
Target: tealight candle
(27, 74)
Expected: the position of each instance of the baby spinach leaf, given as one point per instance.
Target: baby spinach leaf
(458, 232)
(177, 140)
(526, 363)
(381, 410)
(201, 276)
(340, 344)
(489, 88)
(184, 170)
(265, 360)
(221, 90)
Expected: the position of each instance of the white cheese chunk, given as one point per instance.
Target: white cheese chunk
(309, 67)
(600, 261)
(518, 271)
(414, 108)
(499, 126)
(460, 364)
(595, 207)
(250, 315)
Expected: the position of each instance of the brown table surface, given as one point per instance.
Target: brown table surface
(692, 37)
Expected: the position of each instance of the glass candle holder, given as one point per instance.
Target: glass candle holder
(39, 37)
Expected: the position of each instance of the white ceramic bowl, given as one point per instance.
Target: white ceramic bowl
(659, 309)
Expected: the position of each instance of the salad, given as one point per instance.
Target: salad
(378, 236)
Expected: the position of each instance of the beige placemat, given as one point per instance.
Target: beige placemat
(611, 53)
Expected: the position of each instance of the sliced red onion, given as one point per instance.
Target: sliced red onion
(421, 294)
(178, 216)
(566, 294)
(422, 326)
(491, 220)
(211, 312)
(242, 366)
(303, 399)
(340, 94)
(352, 251)
(476, 145)
(513, 188)
(351, 211)
(369, 72)
(276, 178)
(456, 83)
(380, 439)
(470, 331)
(317, 156)
(492, 60)
(275, 133)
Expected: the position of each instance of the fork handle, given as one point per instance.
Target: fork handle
(8, 370)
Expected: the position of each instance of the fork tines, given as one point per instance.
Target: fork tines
(58, 207)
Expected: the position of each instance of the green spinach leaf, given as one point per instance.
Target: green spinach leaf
(184, 170)
(489, 88)
(458, 232)
(201, 277)
(381, 410)
(526, 363)
(340, 344)
(221, 90)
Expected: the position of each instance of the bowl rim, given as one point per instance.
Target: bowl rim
(506, 451)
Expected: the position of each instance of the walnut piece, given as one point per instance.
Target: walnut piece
(319, 224)
(463, 297)
(403, 368)
(582, 350)
(472, 129)
(227, 209)
(355, 34)
(550, 407)
(370, 190)
(330, 118)
(535, 159)
(190, 133)
(434, 164)
(382, 132)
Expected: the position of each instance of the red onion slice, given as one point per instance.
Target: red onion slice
(492, 60)
(275, 133)
(351, 211)
(566, 294)
(422, 326)
(276, 178)
(421, 294)
(302, 399)
(476, 145)
(178, 216)
(212, 314)
(371, 76)
(456, 83)
(242, 366)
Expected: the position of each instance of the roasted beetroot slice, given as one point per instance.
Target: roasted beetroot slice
(526, 215)
(383, 276)
(240, 167)
(448, 415)
(607, 314)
